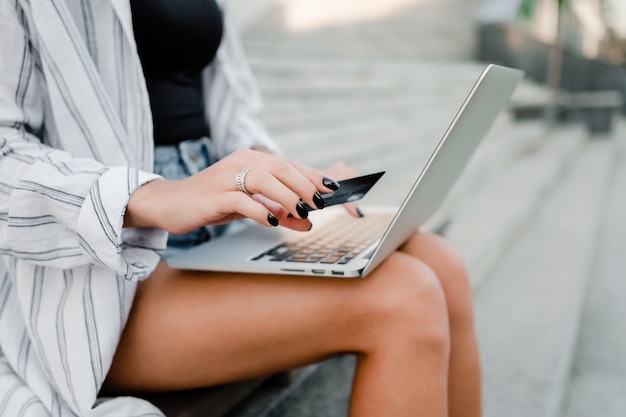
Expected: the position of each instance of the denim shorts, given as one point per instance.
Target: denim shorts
(176, 162)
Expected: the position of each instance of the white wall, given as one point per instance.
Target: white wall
(246, 11)
(497, 11)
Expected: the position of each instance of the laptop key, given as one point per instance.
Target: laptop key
(333, 245)
(332, 259)
(282, 257)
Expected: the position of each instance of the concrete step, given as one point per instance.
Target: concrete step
(317, 390)
(345, 111)
(500, 147)
(435, 78)
(488, 218)
(395, 133)
(401, 146)
(598, 378)
(528, 312)
(348, 67)
(329, 82)
(395, 28)
(380, 142)
(318, 78)
(339, 96)
(300, 105)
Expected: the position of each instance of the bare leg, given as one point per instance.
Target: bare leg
(199, 329)
(464, 394)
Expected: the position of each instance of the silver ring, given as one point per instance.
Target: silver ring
(240, 180)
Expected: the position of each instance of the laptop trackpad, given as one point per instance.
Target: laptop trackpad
(230, 248)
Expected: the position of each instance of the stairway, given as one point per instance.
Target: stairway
(526, 214)
(529, 312)
(598, 376)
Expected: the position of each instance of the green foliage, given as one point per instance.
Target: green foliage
(526, 9)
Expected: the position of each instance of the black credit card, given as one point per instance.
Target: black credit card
(352, 189)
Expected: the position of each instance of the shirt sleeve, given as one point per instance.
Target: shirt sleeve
(57, 210)
(63, 212)
(234, 101)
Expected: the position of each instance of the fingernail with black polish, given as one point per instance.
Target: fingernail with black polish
(310, 227)
(330, 183)
(318, 201)
(272, 220)
(301, 210)
(359, 212)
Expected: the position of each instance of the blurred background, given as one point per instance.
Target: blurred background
(539, 212)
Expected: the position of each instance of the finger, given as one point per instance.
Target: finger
(353, 209)
(240, 203)
(284, 172)
(302, 180)
(321, 180)
(260, 182)
(283, 216)
(341, 171)
(300, 225)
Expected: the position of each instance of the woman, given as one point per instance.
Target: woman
(88, 310)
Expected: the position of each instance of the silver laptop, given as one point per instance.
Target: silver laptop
(340, 245)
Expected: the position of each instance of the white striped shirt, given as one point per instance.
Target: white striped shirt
(75, 142)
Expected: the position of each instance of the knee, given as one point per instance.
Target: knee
(405, 305)
(438, 253)
(450, 268)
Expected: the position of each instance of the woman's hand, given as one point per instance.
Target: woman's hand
(275, 187)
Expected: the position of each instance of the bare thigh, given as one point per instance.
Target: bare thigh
(191, 329)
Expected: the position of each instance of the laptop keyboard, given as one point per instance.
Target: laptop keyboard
(333, 243)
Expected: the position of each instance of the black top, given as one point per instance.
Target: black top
(176, 39)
